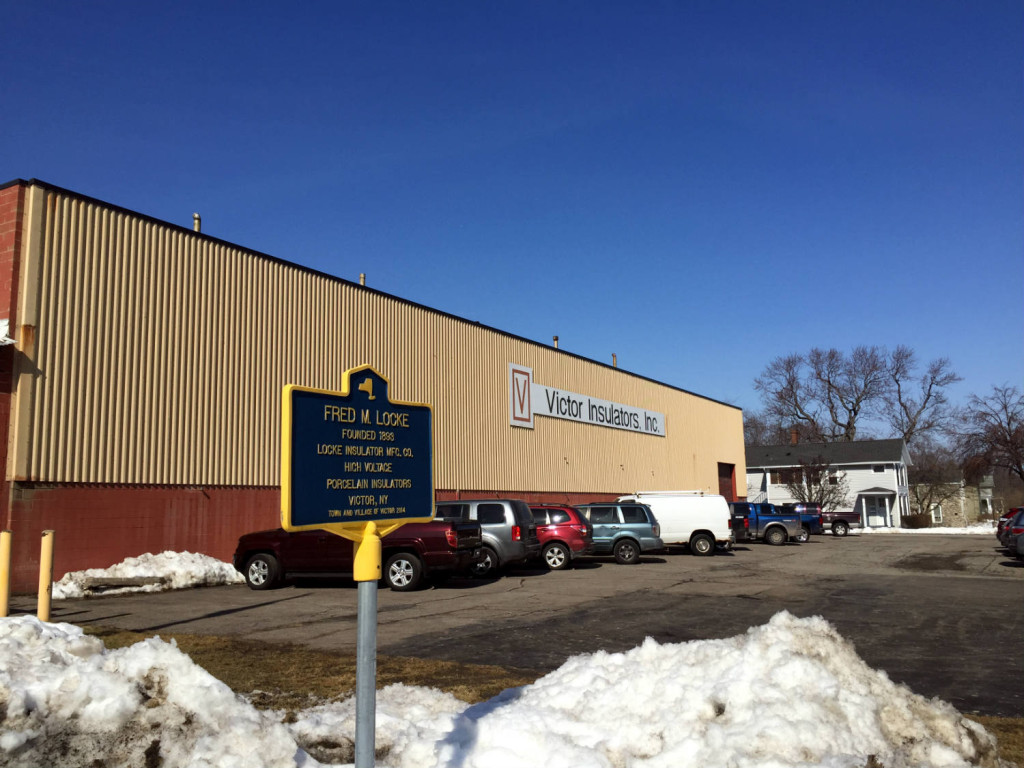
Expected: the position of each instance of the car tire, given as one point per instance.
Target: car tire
(840, 528)
(627, 552)
(775, 536)
(403, 572)
(557, 557)
(487, 565)
(262, 571)
(702, 545)
(804, 536)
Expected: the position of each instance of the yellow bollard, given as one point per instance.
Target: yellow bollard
(5, 572)
(45, 576)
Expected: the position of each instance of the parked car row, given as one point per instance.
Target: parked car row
(1004, 519)
(484, 536)
(1010, 531)
(765, 522)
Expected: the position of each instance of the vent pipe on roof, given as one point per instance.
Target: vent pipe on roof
(615, 361)
(555, 338)
(197, 222)
(362, 278)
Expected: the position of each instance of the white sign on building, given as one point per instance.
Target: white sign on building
(527, 398)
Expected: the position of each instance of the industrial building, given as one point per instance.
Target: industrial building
(143, 365)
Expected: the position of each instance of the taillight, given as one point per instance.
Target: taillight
(730, 522)
(656, 528)
(517, 533)
(453, 538)
(579, 529)
(1017, 531)
(746, 523)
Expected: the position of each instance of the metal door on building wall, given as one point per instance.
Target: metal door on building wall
(727, 481)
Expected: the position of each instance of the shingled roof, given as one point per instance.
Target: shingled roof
(857, 452)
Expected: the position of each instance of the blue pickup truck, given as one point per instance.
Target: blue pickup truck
(810, 519)
(763, 522)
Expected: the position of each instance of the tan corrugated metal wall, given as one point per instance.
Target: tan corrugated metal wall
(153, 355)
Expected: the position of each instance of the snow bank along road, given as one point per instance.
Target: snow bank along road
(943, 614)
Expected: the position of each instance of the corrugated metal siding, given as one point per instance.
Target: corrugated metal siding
(160, 356)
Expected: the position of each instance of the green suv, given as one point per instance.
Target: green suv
(624, 530)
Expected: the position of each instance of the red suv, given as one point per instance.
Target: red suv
(1004, 520)
(564, 534)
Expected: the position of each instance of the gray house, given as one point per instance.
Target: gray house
(874, 471)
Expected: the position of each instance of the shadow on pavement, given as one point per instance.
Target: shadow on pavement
(215, 614)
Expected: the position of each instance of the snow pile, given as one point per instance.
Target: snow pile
(176, 570)
(791, 693)
(68, 701)
(976, 528)
(409, 721)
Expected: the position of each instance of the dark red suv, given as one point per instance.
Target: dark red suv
(1004, 520)
(564, 534)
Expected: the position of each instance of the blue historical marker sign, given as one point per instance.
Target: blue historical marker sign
(355, 456)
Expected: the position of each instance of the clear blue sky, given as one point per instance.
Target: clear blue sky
(698, 187)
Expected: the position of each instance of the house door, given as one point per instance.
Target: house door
(875, 508)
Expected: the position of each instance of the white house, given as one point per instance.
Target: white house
(875, 472)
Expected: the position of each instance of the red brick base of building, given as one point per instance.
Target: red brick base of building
(98, 526)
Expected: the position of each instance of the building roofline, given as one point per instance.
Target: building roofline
(836, 464)
(327, 275)
(855, 453)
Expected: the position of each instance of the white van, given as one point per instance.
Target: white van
(699, 520)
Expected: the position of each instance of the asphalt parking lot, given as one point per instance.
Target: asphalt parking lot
(943, 614)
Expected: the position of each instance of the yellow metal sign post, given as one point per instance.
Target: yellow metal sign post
(359, 465)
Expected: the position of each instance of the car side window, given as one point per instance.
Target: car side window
(558, 516)
(490, 514)
(540, 516)
(603, 515)
(633, 515)
(453, 511)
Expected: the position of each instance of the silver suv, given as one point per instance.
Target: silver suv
(507, 528)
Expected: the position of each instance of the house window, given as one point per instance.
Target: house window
(787, 477)
(936, 513)
(878, 468)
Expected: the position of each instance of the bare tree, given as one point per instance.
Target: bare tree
(828, 395)
(786, 395)
(760, 429)
(850, 387)
(825, 392)
(935, 477)
(816, 482)
(918, 406)
(992, 432)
